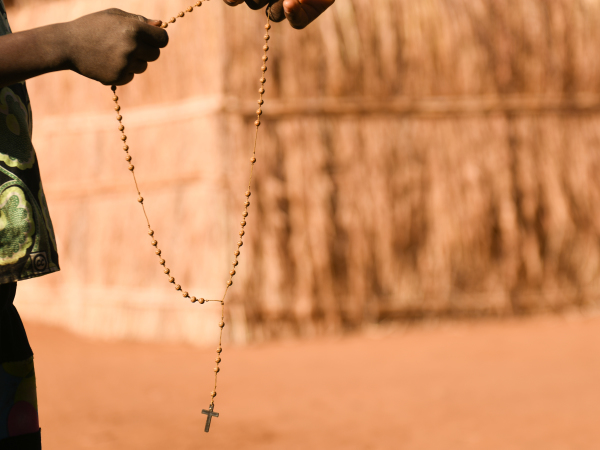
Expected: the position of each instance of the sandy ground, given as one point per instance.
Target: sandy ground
(521, 384)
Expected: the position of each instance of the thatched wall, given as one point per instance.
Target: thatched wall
(418, 158)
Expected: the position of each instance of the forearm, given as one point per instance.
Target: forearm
(31, 53)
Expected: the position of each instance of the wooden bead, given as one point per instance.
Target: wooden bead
(245, 214)
(261, 102)
(265, 58)
(164, 25)
(193, 299)
(115, 98)
(162, 262)
(263, 80)
(119, 118)
(151, 232)
(131, 167)
(123, 138)
(126, 147)
(155, 243)
(167, 271)
(243, 223)
(141, 200)
(263, 68)
(235, 263)
(218, 360)
(190, 9)
(158, 252)
(236, 253)
(257, 123)
(172, 20)
(246, 203)
(177, 287)
(181, 14)
(242, 232)
(128, 158)
(185, 294)
(229, 283)
(240, 244)
(253, 160)
(259, 112)
(221, 324)
(266, 48)
(171, 280)
(268, 26)
(117, 108)
(261, 90)
(213, 394)
(201, 301)
(219, 350)
(232, 273)
(217, 370)
(199, 3)
(121, 127)
(267, 37)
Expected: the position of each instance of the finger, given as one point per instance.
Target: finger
(276, 12)
(146, 53)
(153, 35)
(302, 12)
(137, 66)
(257, 4)
(233, 2)
(127, 78)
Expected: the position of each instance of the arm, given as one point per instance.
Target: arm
(110, 46)
(298, 12)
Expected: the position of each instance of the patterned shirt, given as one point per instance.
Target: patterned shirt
(27, 242)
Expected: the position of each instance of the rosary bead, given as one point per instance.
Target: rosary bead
(261, 102)
(221, 324)
(266, 48)
(257, 123)
(268, 26)
(172, 20)
(141, 200)
(245, 214)
(119, 117)
(128, 158)
(164, 25)
(263, 80)
(259, 112)
(218, 360)
(117, 108)
(263, 68)
(229, 283)
(190, 9)
(219, 350)
(201, 301)
(131, 167)
(236, 253)
(234, 263)
(162, 262)
(171, 280)
(243, 223)
(121, 127)
(167, 271)
(177, 287)
(267, 37)
(240, 244)
(199, 3)
(213, 394)
(232, 273)
(158, 252)
(242, 232)
(193, 299)
(265, 58)
(185, 294)
(154, 242)
(261, 90)
(123, 138)
(216, 369)
(246, 203)
(126, 147)
(115, 99)
(151, 232)
(253, 160)
(181, 14)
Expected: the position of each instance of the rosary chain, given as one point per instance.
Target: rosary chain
(248, 193)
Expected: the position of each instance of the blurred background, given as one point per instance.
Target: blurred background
(419, 163)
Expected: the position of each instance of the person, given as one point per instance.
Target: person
(110, 47)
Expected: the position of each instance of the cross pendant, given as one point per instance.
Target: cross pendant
(210, 414)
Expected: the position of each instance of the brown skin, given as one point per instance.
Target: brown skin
(299, 13)
(109, 46)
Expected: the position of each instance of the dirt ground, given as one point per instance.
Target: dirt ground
(518, 384)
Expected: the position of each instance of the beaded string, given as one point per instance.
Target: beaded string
(241, 233)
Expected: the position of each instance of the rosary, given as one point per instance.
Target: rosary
(210, 411)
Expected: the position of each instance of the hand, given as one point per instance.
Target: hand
(298, 12)
(112, 46)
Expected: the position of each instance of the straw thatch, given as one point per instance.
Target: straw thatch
(417, 159)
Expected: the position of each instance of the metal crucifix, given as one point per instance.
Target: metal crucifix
(210, 414)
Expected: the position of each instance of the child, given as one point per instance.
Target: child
(111, 47)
